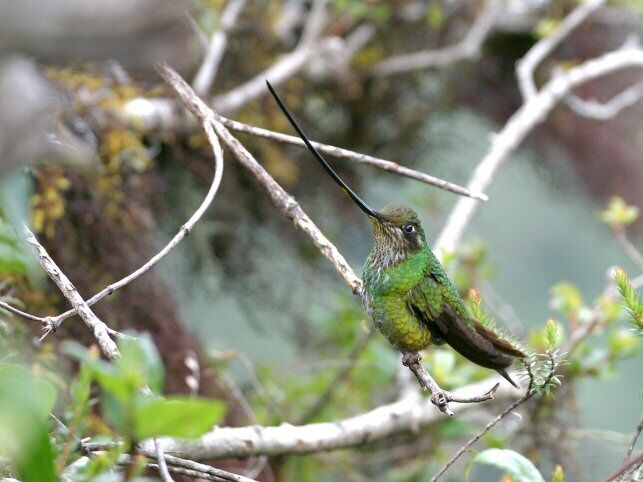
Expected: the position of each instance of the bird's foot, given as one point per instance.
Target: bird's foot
(410, 358)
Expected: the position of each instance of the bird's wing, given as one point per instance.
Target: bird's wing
(435, 304)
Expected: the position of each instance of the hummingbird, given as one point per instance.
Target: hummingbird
(407, 292)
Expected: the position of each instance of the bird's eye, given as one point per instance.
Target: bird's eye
(409, 228)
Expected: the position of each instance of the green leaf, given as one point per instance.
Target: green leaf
(25, 403)
(182, 417)
(517, 466)
(140, 362)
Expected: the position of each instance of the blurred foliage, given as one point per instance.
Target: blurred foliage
(130, 400)
(619, 214)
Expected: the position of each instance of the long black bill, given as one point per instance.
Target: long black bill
(347, 190)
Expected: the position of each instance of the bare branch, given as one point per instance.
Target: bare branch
(528, 64)
(479, 435)
(52, 323)
(608, 110)
(466, 49)
(635, 437)
(407, 415)
(439, 397)
(100, 330)
(162, 465)
(629, 249)
(533, 112)
(284, 68)
(353, 156)
(208, 71)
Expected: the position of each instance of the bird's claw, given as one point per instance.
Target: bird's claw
(410, 358)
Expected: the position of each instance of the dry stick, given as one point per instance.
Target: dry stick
(608, 110)
(479, 435)
(467, 49)
(410, 414)
(100, 330)
(533, 112)
(353, 156)
(287, 204)
(206, 74)
(529, 394)
(528, 64)
(281, 198)
(161, 114)
(52, 323)
(629, 249)
(637, 433)
(439, 397)
(624, 474)
(162, 465)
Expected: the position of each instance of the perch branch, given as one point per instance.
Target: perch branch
(100, 330)
(407, 415)
(441, 398)
(206, 74)
(284, 201)
(533, 112)
(466, 49)
(532, 59)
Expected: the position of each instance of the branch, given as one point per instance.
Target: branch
(479, 435)
(206, 74)
(52, 323)
(533, 112)
(635, 437)
(608, 110)
(439, 397)
(410, 414)
(353, 156)
(626, 472)
(284, 68)
(162, 465)
(528, 64)
(531, 391)
(284, 201)
(628, 248)
(100, 330)
(287, 204)
(466, 49)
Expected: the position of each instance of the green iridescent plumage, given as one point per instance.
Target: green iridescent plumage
(407, 292)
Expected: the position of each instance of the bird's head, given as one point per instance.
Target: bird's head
(396, 228)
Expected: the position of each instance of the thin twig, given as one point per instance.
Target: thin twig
(629, 249)
(441, 398)
(635, 437)
(608, 110)
(532, 59)
(624, 473)
(479, 435)
(529, 394)
(53, 323)
(162, 465)
(208, 71)
(353, 156)
(533, 112)
(466, 49)
(100, 330)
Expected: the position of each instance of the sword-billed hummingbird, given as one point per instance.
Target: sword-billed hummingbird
(407, 292)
